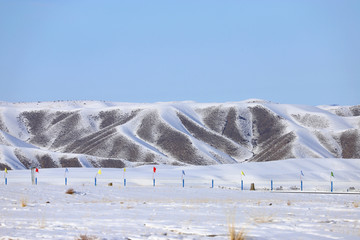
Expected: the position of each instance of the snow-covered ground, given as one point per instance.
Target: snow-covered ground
(197, 211)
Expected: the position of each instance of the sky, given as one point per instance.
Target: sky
(296, 52)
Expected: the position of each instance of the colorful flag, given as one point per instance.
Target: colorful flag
(154, 169)
(302, 173)
(124, 169)
(5, 170)
(332, 174)
(99, 172)
(242, 173)
(37, 170)
(183, 172)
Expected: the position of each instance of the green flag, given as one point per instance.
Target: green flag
(332, 174)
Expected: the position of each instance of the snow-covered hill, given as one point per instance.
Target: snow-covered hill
(106, 134)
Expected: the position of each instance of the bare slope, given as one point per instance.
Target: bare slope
(101, 134)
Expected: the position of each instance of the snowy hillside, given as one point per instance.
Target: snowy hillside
(106, 134)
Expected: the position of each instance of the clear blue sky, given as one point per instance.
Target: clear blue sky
(301, 52)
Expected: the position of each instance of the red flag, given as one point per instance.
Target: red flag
(154, 169)
(36, 170)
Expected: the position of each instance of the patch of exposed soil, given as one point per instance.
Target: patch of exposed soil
(231, 129)
(327, 144)
(46, 161)
(70, 162)
(3, 166)
(27, 162)
(276, 149)
(214, 140)
(112, 163)
(350, 143)
(355, 110)
(266, 126)
(310, 120)
(115, 117)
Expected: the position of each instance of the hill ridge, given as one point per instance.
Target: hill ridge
(100, 134)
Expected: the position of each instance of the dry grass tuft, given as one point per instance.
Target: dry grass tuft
(70, 191)
(23, 202)
(288, 203)
(110, 184)
(263, 219)
(355, 204)
(86, 237)
(236, 235)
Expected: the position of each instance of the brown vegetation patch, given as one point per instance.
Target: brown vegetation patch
(70, 191)
(266, 126)
(115, 117)
(34, 120)
(70, 162)
(69, 130)
(236, 235)
(60, 116)
(325, 142)
(87, 144)
(213, 140)
(112, 163)
(27, 162)
(3, 166)
(179, 146)
(94, 163)
(278, 148)
(23, 202)
(148, 127)
(215, 118)
(86, 237)
(2, 126)
(350, 143)
(174, 143)
(124, 148)
(231, 129)
(355, 110)
(46, 161)
(312, 121)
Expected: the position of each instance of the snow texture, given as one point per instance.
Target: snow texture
(108, 134)
(196, 211)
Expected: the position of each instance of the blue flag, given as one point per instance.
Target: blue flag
(66, 170)
(302, 173)
(183, 172)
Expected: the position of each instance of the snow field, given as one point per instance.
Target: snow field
(173, 213)
(168, 211)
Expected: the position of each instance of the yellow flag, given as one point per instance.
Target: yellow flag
(99, 172)
(242, 173)
(124, 169)
(5, 170)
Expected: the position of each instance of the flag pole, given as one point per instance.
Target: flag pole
(183, 178)
(5, 174)
(154, 170)
(65, 175)
(124, 177)
(36, 173)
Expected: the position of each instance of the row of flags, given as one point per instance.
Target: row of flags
(154, 171)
